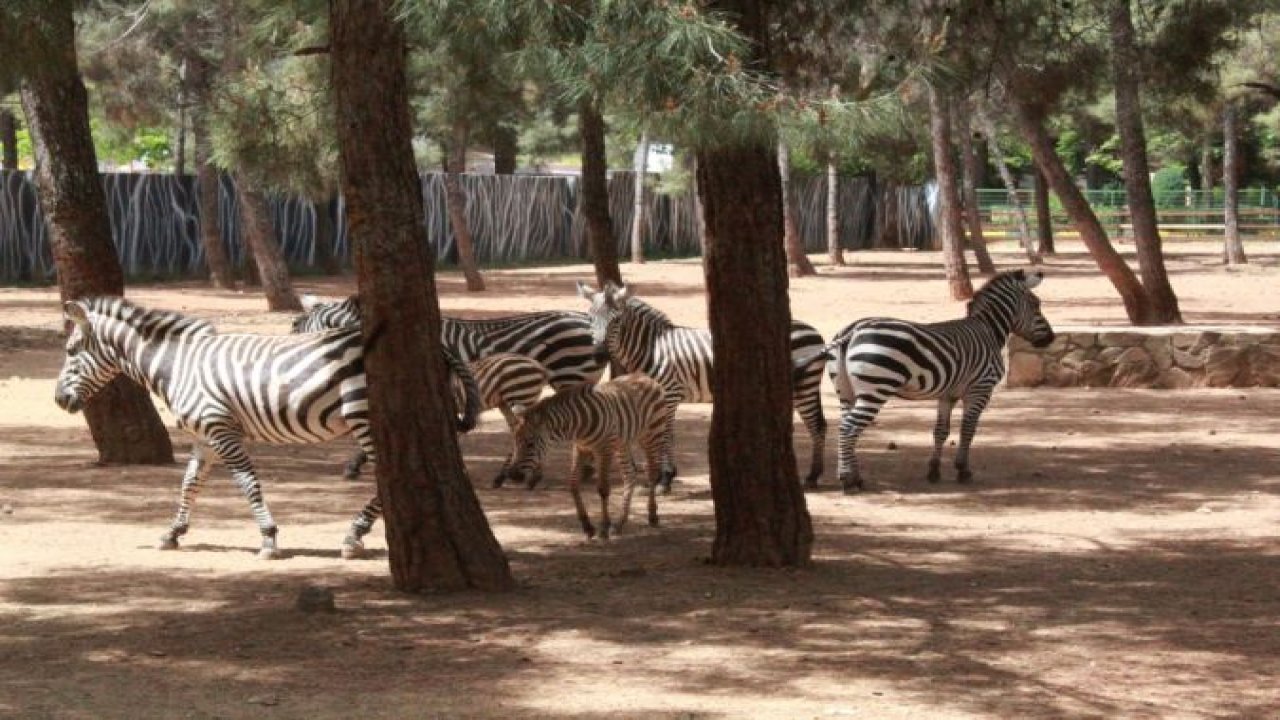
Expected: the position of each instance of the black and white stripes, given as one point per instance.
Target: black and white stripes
(875, 359)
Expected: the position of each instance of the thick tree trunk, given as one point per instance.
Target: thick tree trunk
(125, 426)
(1232, 247)
(641, 165)
(761, 515)
(834, 252)
(1137, 178)
(1011, 186)
(260, 241)
(949, 224)
(208, 181)
(1044, 214)
(8, 140)
(456, 200)
(1031, 127)
(798, 264)
(326, 231)
(506, 147)
(971, 178)
(437, 534)
(595, 195)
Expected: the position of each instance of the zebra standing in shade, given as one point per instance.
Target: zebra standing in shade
(641, 338)
(560, 341)
(229, 389)
(602, 421)
(875, 359)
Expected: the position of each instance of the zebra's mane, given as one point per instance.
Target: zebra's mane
(150, 324)
(1009, 278)
(649, 313)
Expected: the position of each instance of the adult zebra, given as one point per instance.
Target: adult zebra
(558, 340)
(641, 338)
(875, 359)
(228, 389)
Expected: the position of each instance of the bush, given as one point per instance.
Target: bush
(1169, 185)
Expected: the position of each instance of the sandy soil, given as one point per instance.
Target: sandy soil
(1117, 556)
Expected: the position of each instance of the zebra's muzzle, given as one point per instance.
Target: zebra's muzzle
(68, 401)
(1043, 341)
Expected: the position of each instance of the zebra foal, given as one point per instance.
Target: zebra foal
(641, 338)
(875, 359)
(602, 422)
(227, 390)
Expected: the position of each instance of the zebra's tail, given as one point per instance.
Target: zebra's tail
(471, 391)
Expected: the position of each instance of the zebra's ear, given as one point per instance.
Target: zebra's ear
(622, 293)
(585, 291)
(76, 313)
(1034, 278)
(309, 301)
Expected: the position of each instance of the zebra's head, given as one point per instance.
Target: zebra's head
(90, 363)
(530, 446)
(1008, 295)
(606, 305)
(319, 315)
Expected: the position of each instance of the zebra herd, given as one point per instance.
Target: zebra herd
(309, 386)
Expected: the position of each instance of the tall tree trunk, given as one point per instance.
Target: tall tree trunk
(1206, 164)
(180, 139)
(595, 194)
(798, 264)
(834, 251)
(761, 515)
(124, 424)
(971, 178)
(1044, 213)
(325, 234)
(1031, 127)
(641, 165)
(506, 147)
(260, 241)
(456, 200)
(949, 223)
(437, 534)
(1126, 65)
(8, 139)
(208, 203)
(1232, 247)
(1010, 184)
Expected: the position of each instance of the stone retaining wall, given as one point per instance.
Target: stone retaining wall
(1158, 357)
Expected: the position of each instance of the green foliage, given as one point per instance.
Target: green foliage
(1169, 184)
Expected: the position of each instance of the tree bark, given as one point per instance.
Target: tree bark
(437, 534)
(1125, 65)
(1232, 247)
(595, 195)
(949, 223)
(456, 200)
(1044, 214)
(180, 134)
(1010, 184)
(798, 264)
(506, 147)
(260, 241)
(8, 139)
(325, 234)
(1031, 127)
(834, 252)
(208, 180)
(641, 165)
(122, 420)
(971, 178)
(1206, 163)
(761, 515)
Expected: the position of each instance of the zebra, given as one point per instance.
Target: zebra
(558, 340)
(602, 421)
(641, 338)
(874, 359)
(506, 381)
(228, 389)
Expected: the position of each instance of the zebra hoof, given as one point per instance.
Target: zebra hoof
(653, 520)
(851, 485)
(499, 479)
(167, 543)
(964, 476)
(934, 475)
(352, 549)
(268, 553)
(351, 474)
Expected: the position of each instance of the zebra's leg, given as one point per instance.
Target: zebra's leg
(197, 471)
(941, 429)
(631, 478)
(810, 410)
(669, 471)
(854, 418)
(230, 450)
(575, 479)
(653, 466)
(505, 470)
(353, 543)
(604, 457)
(351, 471)
(974, 403)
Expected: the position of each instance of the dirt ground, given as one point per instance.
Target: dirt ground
(1118, 555)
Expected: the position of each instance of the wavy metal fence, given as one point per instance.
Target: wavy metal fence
(515, 219)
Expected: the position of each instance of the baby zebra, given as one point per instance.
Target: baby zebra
(875, 359)
(602, 421)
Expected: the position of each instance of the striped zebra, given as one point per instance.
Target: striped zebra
(229, 389)
(875, 359)
(560, 341)
(641, 338)
(603, 422)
